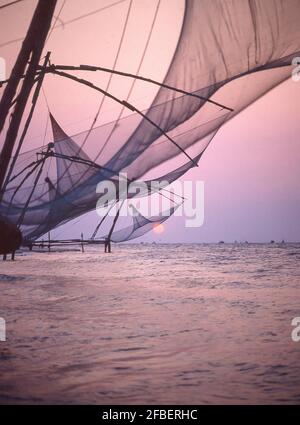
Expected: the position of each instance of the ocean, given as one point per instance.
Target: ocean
(178, 324)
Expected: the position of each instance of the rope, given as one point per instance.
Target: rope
(56, 19)
(111, 75)
(16, 40)
(101, 221)
(10, 4)
(134, 81)
(46, 100)
(107, 88)
(21, 218)
(22, 182)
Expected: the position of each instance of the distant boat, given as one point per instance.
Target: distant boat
(221, 242)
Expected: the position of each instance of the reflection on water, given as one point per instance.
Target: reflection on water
(152, 324)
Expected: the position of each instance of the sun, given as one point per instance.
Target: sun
(158, 228)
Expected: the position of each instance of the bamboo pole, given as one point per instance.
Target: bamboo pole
(82, 243)
(93, 68)
(112, 228)
(136, 77)
(32, 48)
(29, 118)
(101, 221)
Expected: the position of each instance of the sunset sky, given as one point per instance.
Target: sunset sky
(251, 170)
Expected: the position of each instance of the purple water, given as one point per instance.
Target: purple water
(152, 324)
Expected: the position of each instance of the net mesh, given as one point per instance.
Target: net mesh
(229, 51)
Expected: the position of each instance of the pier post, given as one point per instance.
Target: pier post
(82, 245)
(107, 246)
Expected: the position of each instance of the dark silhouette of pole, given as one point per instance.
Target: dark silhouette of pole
(32, 49)
(28, 120)
(108, 239)
(93, 68)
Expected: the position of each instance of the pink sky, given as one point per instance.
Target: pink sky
(251, 170)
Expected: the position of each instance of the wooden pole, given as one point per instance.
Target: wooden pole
(82, 245)
(93, 68)
(101, 221)
(112, 228)
(32, 48)
(29, 118)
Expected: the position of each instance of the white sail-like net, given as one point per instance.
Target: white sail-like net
(230, 52)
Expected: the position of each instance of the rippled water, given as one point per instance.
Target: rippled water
(152, 324)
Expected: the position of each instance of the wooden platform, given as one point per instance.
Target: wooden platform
(51, 243)
(48, 244)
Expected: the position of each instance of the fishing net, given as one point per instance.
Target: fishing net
(230, 53)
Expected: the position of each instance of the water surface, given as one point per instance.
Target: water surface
(152, 324)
